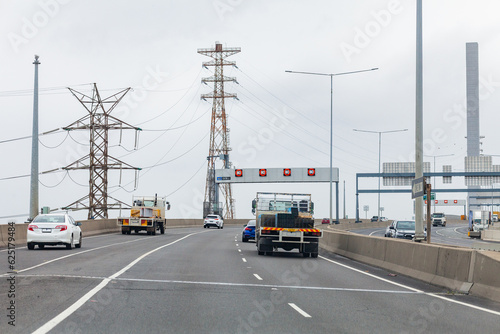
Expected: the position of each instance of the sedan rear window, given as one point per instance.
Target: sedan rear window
(49, 219)
(212, 217)
(251, 223)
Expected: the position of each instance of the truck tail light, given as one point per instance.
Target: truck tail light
(32, 228)
(61, 227)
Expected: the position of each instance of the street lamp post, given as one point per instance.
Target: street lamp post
(331, 75)
(379, 155)
(434, 178)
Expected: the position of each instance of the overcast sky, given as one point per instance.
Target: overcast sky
(151, 46)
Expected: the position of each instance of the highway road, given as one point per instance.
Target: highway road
(194, 280)
(452, 234)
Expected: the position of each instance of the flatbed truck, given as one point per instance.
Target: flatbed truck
(285, 221)
(147, 214)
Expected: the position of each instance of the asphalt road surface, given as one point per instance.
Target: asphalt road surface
(452, 234)
(195, 280)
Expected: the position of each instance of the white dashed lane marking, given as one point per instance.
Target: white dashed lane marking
(298, 309)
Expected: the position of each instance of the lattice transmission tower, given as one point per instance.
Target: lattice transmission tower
(98, 161)
(219, 132)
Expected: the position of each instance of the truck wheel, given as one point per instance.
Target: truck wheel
(162, 229)
(123, 232)
(306, 254)
(269, 253)
(314, 255)
(259, 251)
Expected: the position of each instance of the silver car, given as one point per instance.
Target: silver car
(404, 229)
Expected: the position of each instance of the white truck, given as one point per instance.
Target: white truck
(478, 221)
(438, 218)
(147, 214)
(285, 221)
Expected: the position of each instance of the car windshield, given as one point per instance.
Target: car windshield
(49, 219)
(406, 225)
(438, 215)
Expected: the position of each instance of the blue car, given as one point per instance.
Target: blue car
(249, 231)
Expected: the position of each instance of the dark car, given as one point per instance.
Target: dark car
(374, 219)
(249, 231)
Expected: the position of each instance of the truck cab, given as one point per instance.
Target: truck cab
(438, 218)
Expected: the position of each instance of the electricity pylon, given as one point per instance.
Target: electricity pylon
(98, 161)
(219, 132)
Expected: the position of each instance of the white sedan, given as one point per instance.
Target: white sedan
(54, 229)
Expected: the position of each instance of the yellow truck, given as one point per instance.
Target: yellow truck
(147, 214)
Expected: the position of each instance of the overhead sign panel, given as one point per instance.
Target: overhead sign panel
(447, 202)
(276, 175)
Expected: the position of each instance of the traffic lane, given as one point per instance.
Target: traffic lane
(38, 299)
(376, 312)
(210, 256)
(28, 258)
(292, 269)
(153, 307)
(103, 259)
(43, 292)
(134, 290)
(450, 235)
(102, 245)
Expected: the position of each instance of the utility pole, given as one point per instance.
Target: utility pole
(98, 161)
(419, 128)
(379, 214)
(331, 75)
(344, 201)
(219, 132)
(34, 150)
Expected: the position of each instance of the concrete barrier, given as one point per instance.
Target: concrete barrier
(103, 226)
(486, 275)
(19, 234)
(491, 234)
(449, 267)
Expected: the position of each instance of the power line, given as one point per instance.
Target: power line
(173, 192)
(26, 137)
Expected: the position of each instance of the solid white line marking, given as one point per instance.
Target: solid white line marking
(375, 232)
(74, 254)
(244, 260)
(258, 277)
(142, 280)
(298, 309)
(412, 289)
(66, 313)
